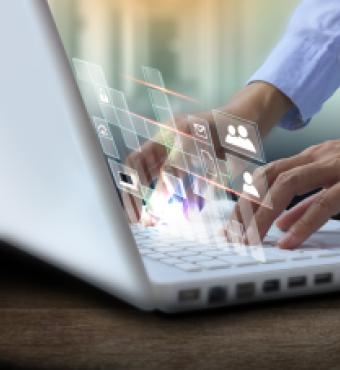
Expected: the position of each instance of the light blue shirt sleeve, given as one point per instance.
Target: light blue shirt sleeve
(305, 65)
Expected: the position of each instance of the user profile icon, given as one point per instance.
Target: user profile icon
(240, 138)
(248, 186)
(238, 135)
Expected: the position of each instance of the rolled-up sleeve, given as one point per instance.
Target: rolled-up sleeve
(305, 65)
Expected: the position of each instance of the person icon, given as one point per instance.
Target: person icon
(248, 186)
(231, 137)
(103, 130)
(244, 140)
(241, 140)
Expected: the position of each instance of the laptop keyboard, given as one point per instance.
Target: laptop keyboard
(214, 253)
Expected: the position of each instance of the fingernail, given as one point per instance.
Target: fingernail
(288, 241)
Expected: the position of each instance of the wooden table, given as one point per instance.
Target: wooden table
(49, 320)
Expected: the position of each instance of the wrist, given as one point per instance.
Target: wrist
(260, 102)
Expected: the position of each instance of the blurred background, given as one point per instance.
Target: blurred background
(206, 49)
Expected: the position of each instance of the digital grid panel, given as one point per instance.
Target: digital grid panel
(203, 163)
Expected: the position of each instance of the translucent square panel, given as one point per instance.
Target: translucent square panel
(106, 139)
(208, 161)
(109, 147)
(252, 232)
(159, 98)
(140, 125)
(118, 99)
(243, 182)
(126, 178)
(102, 127)
(165, 116)
(153, 76)
(239, 135)
(177, 159)
(125, 119)
(131, 140)
(200, 129)
(235, 231)
(200, 187)
(225, 175)
(109, 113)
(194, 165)
(103, 95)
(174, 185)
(188, 145)
(97, 75)
(154, 132)
(82, 70)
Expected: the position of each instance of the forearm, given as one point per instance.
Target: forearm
(304, 65)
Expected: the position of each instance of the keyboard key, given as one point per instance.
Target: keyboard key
(183, 253)
(214, 264)
(167, 249)
(302, 258)
(240, 260)
(157, 256)
(171, 261)
(198, 258)
(272, 259)
(183, 244)
(330, 255)
(217, 253)
(189, 267)
(201, 249)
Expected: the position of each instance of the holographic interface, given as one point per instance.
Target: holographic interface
(169, 168)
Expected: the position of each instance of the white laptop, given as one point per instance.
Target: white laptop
(59, 200)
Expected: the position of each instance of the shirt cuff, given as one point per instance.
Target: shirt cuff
(306, 68)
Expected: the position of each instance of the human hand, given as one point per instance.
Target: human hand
(258, 102)
(318, 167)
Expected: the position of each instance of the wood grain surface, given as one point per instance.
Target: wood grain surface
(49, 320)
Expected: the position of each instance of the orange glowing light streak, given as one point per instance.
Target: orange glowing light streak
(163, 89)
(211, 182)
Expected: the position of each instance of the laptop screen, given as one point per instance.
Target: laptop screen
(150, 77)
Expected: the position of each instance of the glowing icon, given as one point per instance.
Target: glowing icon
(103, 130)
(200, 131)
(128, 180)
(240, 139)
(209, 163)
(248, 186)
(103, 96)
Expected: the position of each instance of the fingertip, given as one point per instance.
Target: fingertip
(289, 241)
(281, 224)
